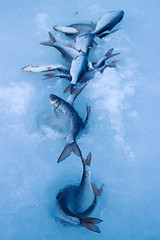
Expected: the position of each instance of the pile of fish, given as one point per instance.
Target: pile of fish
(76, 203)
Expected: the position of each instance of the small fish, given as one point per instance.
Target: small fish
(75, 29)
(66, 30)
(77, 202)
(68, 52)
(108, 21)
(78, 67)
(108, 55)
(46, 68)
(73, 122)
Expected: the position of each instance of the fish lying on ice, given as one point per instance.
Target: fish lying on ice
(76, 28)
(77, 202)
(45, 68)
(108, 21)
(85, 41)
(74, 124)
(68, 52)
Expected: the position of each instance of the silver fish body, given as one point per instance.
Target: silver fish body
(77, 202)
(78, 67)
(108, 21)
(44, 68)
(73, 123)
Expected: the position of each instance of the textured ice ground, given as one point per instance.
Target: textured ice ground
(122, 134)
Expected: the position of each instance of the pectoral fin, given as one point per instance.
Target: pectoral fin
(91, 227)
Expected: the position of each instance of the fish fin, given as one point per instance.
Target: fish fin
(88, 109)
(48, 75)
(91, 227)
(88, 160)
(104, 34)
(90, 220)
(69, 88)
(77, 90)
(96, 191)
(51, 41)
(67, 151)
(76, 149)
(109, 54)
(59, 195)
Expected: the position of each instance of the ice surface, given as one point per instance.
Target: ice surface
(122, 134)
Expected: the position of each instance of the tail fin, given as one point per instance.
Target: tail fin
(109, 54)
(102, 35)
(51, 41)
(69, 88)
(88, 160)
(70, 147)
(89, 223)
(75, 92)
(97, 192)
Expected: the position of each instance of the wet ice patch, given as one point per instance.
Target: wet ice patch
(15, 98)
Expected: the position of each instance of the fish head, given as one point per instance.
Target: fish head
(27, 68)
(55, 100)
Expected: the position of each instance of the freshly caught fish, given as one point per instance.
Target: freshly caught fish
(108, 55)
(76, 28)
(77, 202)
(68, 52)
(73, 122)
(66, 30)
(78, 67)
(108, 21)
(45, 68)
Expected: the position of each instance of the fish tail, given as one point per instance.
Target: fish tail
(97, 192)
(87, 161)
(75, 92)
(70, 147)
(51, 41)
(89, 223)
(104, 34)
(69, 88)
(109, 54)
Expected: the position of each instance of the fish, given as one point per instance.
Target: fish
(77, 202)
(78, 67)
(68, 52)
(74, 124)
(108, 21)
(45, 68)
(66, 30)
(108, 55)
(75, 29)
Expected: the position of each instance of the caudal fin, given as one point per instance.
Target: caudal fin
(97, 192)
(51, 41)
(104, 34)
(89, 223)
(109, 54)
(70, 147)
(87, 161)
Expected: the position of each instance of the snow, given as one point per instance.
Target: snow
(122, 134)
